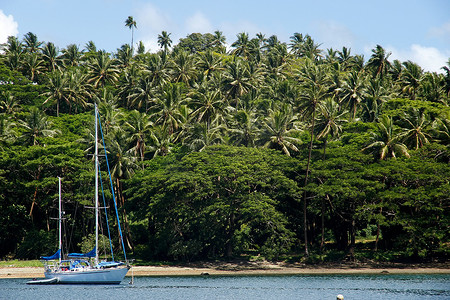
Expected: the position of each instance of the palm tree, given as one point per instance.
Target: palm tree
(72, 55)
(33, 65)
(32, 44)
(7, 132)
(164, 40)
(131, 23)
(241, 45)
(244, 129)
(35, 126)
(329, 120)
(183, 67)
(161, 140)
(417, 123)
(207, 105)
(296, 44)
(156, 67)
(314, 81)
(142, 93)
(209, 62)
(139, 125)
(200, 136)
(166, 107)
(124, 56)
(279, 129)
(102, 70)
(236, 81)
(14, 51)
(447, 78)
(58, 90)
(410, 78)
(9, 103)
(387, 142)
(374, 96)
(353, 90)
(379, 61)
(50, 54)
(218, 42)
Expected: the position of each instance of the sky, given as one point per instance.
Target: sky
(416, 30)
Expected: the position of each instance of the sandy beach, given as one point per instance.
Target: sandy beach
(260, 268)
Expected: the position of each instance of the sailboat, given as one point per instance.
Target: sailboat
(77, 268)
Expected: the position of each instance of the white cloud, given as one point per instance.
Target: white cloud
(150, 21)
(442, 32)
(198, 23)
(428, 58)
(335, 35)
(8, 27)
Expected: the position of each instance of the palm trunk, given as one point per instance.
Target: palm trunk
(305, 206)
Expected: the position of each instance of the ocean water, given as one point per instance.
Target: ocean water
(382, 286)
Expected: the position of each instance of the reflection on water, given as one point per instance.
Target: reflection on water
(396, 287)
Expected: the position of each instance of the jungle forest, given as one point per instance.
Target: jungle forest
(252, 148)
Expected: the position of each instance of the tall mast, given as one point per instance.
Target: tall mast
(96, 184)
(60, 219)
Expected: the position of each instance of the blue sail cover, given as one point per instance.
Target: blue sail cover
(89, 254)
(54, 256)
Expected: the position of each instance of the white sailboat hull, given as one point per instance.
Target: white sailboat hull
(89, 276)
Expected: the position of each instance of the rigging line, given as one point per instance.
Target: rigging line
(106, 214)
(112, 188)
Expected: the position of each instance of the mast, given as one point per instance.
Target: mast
(60, 219)
(96, 184)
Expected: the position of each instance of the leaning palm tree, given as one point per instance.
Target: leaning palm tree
(131, 23)
(387, 142)
(379, 61)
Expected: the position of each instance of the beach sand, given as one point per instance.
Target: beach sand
(260, 268)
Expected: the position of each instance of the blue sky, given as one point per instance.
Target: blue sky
(411, 29)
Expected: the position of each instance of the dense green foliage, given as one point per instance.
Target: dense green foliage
(269, 149)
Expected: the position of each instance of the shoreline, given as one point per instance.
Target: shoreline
(230, 269)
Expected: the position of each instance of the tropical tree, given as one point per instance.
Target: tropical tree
(72, 55)
(410, 78)
(31, 43)
(207, 105)
(36, 126)
(139, 125)
(241, 45)
(314, 81)
(353, 90)
(183, 67)
(102, 70)
(131, 23)
(379, 61)
(164, 41)
(387, 142)
(236, 80)
(50, 54)
(279, 130)
(9, 104)
(166, 108)
(416, 125)
(58, 90)
(33, 65)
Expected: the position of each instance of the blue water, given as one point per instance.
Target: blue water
(396, 287)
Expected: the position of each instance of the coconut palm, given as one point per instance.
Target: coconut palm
(387, 142)
(35, 126)
(142, 93)
(164, 41)
(236, 81)
(410, 78)
(183, 67)
(166, 107)
(102, 70)
(72, 55)
(9, 104)
(241, 45)
(243, 128)
(414, 130)
(379, 61)
(33, 65)
(447, 78)
(156, 67)
(209, 62)
(374, 96)
(58, 90)
(31, 43)
(207, 105)
(432, 89)
(330, 119)
(161, 140)
(279, 130)
(218, 42)
(7, 132)
(201, 135)
(139, 126)
(296, 44)
(14, 52)
(353, 90)
(124, 56)
(314, 81)
(131, 23)
(50, 54)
